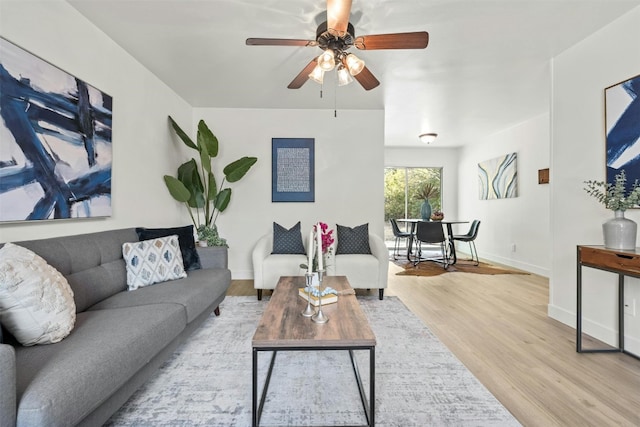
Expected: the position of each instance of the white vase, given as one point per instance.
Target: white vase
(619, 232)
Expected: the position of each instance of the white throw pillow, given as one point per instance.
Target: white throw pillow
(153, 261)
(36, 301)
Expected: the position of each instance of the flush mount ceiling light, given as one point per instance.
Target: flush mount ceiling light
(428, 138)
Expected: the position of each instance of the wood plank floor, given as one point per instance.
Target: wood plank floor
(499, 328)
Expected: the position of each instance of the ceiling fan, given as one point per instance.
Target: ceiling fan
(335, 37)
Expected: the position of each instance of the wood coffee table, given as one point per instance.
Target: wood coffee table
(283, 328)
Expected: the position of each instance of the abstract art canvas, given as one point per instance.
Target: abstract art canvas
(497, 178)
(622, 122)
(55, 141)
(292, 170)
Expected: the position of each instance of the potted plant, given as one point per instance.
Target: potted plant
(619, 232)
(428, 191)
(196, 185)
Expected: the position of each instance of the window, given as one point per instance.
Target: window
(403, 191)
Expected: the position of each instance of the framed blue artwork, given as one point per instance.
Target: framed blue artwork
(55, 141)
(622, 127)
(292, 170)
(498, 178)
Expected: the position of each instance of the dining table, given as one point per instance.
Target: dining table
(448, 224)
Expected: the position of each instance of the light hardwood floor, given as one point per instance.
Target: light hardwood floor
(499, 328)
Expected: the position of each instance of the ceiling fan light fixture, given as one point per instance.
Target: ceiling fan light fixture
(344, 78)
(354, 64)
(327, 60)
(317, 75)
(428, 138)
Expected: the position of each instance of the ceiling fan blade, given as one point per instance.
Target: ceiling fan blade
(366, 79)
(338, 12)
(280, 42)
(417, 40)
(303, 76)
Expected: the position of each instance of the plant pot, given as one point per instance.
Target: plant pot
(619, 232)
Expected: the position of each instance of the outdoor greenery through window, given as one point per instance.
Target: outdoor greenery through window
(404, 190)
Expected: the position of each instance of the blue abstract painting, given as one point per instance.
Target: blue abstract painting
(497, 178)
(622, 120)
(55, 141)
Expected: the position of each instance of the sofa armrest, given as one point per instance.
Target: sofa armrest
(7, 386)
(261, 250)
(380, 251)
(214, 256)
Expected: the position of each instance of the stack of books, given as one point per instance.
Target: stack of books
(315, 301)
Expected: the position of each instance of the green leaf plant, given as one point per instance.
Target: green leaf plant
(195, 183)
(615, 196)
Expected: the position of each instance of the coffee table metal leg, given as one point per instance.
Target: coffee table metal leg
(369, 407)
(257, 408)
(254, 371)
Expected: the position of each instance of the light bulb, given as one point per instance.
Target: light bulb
(354, 64)
(317, 75)
(327, 60)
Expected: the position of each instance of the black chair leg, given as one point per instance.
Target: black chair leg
(381, 293)
(259, 294)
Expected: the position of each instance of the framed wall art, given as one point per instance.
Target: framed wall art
(55, 141)
(497, 178)
(622, 127)
(292, 170)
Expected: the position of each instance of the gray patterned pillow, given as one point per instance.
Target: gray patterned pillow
(287, 241)
(353, 240)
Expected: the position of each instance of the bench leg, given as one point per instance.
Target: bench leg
(381, 293)
(259, 294)
(216, 311)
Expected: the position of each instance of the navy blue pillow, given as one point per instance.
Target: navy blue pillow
(353, 240)
(190, 257)
(287, 241)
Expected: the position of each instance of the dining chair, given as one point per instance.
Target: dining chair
(399, 235)
(431, 232)
(470, 237)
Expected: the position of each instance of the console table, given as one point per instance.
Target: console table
(623, 263)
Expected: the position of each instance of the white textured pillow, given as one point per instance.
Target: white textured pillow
(153, 261)
(36, 301)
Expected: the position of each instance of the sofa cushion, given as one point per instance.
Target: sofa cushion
(92, 263)
(287, 241)
(353, 240)
(36, 301)
(153, 261)
(62, 383)
(195, 293)
(190, 258)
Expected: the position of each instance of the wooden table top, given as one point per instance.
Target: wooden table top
(283, 326)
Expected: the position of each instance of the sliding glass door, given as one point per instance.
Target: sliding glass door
(405, 189)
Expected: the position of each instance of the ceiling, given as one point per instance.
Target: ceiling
(486, 67)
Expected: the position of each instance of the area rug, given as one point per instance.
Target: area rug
(430, 268)
(207, 382)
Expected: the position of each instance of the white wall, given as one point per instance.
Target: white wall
(446, 158)
(523, 220)
(143, 149)
(580, 75)
(349, 166)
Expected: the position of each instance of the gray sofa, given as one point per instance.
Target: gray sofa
(120, 337)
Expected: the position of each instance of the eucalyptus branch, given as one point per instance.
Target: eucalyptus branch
(614, 196)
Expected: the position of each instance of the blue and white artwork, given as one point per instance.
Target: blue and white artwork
(55, 141)
(622, 117)
(497, 178)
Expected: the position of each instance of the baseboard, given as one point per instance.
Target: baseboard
(531, 268)
(242, 274)
(594, 329)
